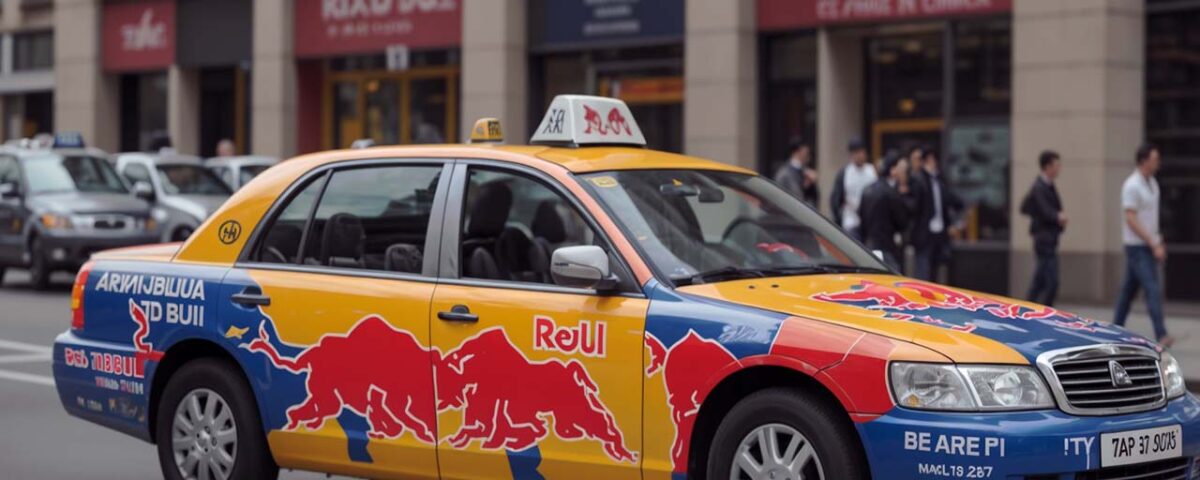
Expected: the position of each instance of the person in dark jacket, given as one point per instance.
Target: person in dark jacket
(797, 175)
(848, 187)
(886, 208)
(1046, 223)
(935, 218)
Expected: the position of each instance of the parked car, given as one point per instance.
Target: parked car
(237, 171)
(58, 205)
(585, 307)
(182, 190)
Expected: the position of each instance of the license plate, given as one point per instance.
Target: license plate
(1137, 446)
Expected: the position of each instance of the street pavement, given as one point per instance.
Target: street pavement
(41, 441)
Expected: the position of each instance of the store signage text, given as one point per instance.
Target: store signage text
(147, 34)
(328, 27)
(568, 22)
(782, 14)
(138, 36)
(337, 10)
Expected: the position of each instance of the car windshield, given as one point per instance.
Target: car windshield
(190, 180)
(57, 173)
(699, 226)
(248, 172)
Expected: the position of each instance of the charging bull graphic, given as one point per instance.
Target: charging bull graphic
(945, 307)
(394, 398)
(685, 368)
(615, 124)
(505, 398)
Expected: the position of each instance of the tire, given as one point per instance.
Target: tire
(838, 455)
(39, 271)
(206, 379)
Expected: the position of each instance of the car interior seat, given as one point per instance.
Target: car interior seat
(487, 216)
(342, 241)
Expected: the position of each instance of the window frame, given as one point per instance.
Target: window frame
(323, 174)
(450, 261)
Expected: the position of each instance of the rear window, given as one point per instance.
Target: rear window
(191, 180)
(56, 173)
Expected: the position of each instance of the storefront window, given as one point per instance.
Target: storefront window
(1173, 123)
(983, 67)
(906, 76)
(143, 111)
(33, 51)
(790, 103)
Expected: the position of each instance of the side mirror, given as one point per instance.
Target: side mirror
(879, 254)
(10, 190)
(143, 190)
(584, 266)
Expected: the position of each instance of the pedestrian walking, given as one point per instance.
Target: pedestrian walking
(797, 175)
(935, 219)
(226, 148)
(1047, 221)
(1144, 248)
(848, 188)
(886, 208)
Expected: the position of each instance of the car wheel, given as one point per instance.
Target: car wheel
(39, 271)
(783, 434)
(207, 426)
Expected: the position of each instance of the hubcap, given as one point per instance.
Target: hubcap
(204, 436)
(775, 452)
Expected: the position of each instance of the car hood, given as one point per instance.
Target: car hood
(199, 206)
(83, 202)
(963, 325)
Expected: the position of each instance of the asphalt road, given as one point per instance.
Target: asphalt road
(39, 440)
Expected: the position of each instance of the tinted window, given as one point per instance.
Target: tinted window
(248, 172)
(9, 173)
(281, 242)
(53, 173)
(190, 180)
(33, 51)
(511, 226)
(136, 172)
(374, 219)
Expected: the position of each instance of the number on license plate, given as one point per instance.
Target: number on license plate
(1138, 446)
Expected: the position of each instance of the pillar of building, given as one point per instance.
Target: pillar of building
(494, 66)
(720, 116)
(86, 100)
(1077, 89)
(840, 95)
(273, 82)
(183, 109)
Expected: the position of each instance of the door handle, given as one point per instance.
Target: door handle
(251, 296)
(458, 313)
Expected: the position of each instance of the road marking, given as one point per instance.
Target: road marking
(25, 347)
(25, 358)
(27, 377)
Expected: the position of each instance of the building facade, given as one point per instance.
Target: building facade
(986, 83)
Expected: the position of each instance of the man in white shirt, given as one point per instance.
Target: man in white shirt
(848, 188)
(1144, 249)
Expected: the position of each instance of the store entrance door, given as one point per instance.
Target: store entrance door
(902, 134)
(392, 108)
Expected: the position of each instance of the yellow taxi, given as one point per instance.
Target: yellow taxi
(586, 308)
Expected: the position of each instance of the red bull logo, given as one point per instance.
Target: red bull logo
(895, 300)
(586, 339)
(394, 397)
(505, 398)
(144, 352)
(686, 367)
(615, 124)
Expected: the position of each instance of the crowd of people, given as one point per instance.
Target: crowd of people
(905, 202)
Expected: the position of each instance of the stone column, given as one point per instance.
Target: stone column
(85, 98)
(1078, 89)
(840, 95)
(494, 67)
(273, 81)
(183, 109)
(720, 114)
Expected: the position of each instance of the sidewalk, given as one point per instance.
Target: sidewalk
(1182, 322)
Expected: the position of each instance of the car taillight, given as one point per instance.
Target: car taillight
(77, 296)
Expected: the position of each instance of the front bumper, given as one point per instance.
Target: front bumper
(1039, 445)
(72, 250)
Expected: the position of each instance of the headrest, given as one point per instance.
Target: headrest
(548, 222)
(489, 212)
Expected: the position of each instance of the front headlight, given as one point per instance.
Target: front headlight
(1172, 376)
(56, 222)
(933, 386)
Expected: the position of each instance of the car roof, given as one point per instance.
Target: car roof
(22, 152)
(160, 158)
(242, 160)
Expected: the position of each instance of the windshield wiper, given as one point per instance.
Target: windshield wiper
(840, 268)
(719, 274)
(733, 273)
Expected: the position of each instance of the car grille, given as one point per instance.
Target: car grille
(105, 222)
(1173, 469)
(1084, 382)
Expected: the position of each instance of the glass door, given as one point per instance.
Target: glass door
(391, 108)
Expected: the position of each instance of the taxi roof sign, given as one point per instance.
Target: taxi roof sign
(487, 130)
(580, 120)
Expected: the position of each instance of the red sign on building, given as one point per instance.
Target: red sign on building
(333, 27)
(138, 35)
(791, 14)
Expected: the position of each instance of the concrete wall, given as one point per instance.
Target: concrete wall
(840, 92)
(273, 81)
(720, 71)
(494, 66)
(85, 98)
(1077, 88)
